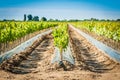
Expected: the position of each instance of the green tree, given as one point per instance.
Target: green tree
(30, 17)
(35, 18)
(118, 19)
(24, 17)
(43, 19)
(51, 20)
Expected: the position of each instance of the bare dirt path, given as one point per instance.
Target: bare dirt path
(93, 58)
(90, 63)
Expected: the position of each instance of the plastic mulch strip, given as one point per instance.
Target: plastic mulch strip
(114, 54)
(21, 47)
(66, 54)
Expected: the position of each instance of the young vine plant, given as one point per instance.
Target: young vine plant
(61, 38)
(10, 31)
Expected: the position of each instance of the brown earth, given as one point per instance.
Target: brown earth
(4, 47)
(90, 63)
(109, 42)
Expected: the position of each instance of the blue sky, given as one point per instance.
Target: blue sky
(60, 9)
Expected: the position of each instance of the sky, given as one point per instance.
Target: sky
(60, 9)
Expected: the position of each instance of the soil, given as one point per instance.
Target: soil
(90, 63)
(4, 47)
(109, 42)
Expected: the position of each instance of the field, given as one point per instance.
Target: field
(62, 54)
(12, 33)
(107, 32)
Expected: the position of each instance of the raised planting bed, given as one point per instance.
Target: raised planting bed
(9, 45)
(115, 55)
(22, 46)
(90, 62)
(94, 31)
(89, 57)
(34, 58)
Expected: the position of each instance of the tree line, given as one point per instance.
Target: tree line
(30, 17)
(33, 18)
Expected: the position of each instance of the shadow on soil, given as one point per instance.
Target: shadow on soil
(85, 59)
